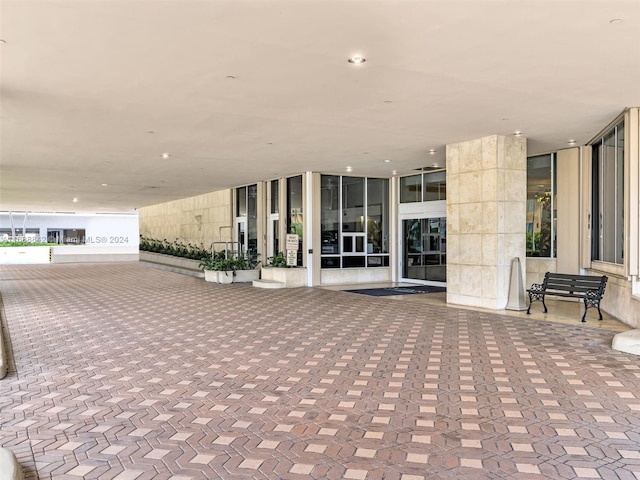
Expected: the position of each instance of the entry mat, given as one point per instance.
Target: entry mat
(386, 292)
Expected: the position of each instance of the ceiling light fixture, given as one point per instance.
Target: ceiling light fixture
(432, 151)
(104, 184)
(387, 161)
(165, 155)
(357, 59)
(517, 133)
(349, 169)
(613, 21)
(394, 172)
(572, 142)
(75, 199)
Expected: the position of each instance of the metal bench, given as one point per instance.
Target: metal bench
(589, 288)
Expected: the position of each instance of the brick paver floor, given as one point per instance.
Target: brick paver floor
(124, 372)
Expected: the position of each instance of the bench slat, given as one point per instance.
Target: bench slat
(578, 287)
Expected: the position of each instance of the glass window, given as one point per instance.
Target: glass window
(247, 219)
(541, 236)
(352, 204)
(354, 221)
(608, 197)
(252, 221)
(424, 187)
(377, 215)
(295, 217)
(241, 201)
(435, 186)
(411, 189)
(274, 196)
(330, 213)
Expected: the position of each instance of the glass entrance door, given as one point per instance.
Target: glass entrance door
(425, 249)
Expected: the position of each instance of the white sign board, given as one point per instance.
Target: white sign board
(291, 241)
(292, 257)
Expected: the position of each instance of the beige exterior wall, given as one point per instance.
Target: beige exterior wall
(568, 210)
(536, 268)
(196, 220)
(619, 301)
(486, 214)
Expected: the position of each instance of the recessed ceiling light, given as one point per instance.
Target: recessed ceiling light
(387, 161)
(572, 142)
(104, 184)
(517, 133)
(435, 165)
(432, 151)
(394, 172)
(349, 169)
(75, 199)
(356, 59)
(165, 155)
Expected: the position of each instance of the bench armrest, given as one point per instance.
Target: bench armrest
(536, 287)
(592, 296)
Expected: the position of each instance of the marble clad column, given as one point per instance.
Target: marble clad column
(486, 218)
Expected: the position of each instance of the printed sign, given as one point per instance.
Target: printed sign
(291, 241)
(292, 257)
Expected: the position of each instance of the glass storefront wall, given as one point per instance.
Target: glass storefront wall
(608, 197)
(354, 222)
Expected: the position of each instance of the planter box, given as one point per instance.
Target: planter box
(214, 276)
(225, 277)
(24, 255)
(246, 276)
(211, 276)
(290, 277)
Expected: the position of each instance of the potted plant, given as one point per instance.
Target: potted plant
(219, 268)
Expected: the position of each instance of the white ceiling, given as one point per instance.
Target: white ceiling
(236, 91)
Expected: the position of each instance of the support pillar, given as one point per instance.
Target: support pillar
(486, 218)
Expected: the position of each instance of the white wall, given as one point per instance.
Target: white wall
(107, 230)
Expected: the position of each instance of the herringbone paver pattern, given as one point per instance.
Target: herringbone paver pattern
(125, 372)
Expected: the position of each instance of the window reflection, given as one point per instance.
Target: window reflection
(540, 206)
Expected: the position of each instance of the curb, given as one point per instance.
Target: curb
(9, 467)
(3, 356)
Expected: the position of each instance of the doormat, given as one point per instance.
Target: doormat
(387, 292)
